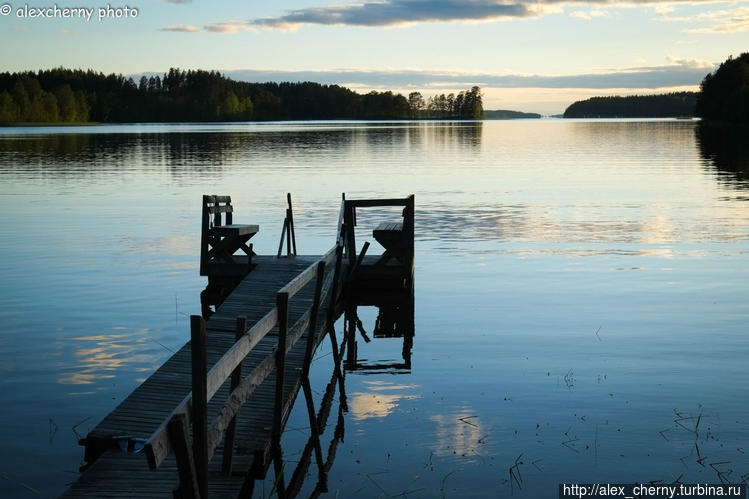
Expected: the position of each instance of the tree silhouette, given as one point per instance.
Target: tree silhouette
(74, 96)
(724, 94)
(679, 104)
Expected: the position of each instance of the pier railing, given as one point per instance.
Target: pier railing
(405, 230)
(173, 433)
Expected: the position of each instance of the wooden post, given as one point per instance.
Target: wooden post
(236, 377)
(216, 212)
(288, 233)
(283, 233)
(199, 402)
(313, 318)
(248, 486)
(350, 238)
(282, 303)
(352, 270)
(315, 429)
(228, 217)
(410, 224)
(178, 436)
(291, 222)
(278, 468)
(336, 285)
(350, 327)
(204, 227)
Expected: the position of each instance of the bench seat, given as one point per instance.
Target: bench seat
(234, 230)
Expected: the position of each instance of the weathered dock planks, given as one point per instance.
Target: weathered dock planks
(235, 382)
(118, 474)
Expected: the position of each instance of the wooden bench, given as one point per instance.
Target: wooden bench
(391, 236)
(220, 239)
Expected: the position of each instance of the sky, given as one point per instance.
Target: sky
(527, 55)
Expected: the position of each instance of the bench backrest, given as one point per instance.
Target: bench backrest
(217, 211)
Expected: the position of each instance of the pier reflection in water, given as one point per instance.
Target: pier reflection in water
(636, 226)
(395, 319)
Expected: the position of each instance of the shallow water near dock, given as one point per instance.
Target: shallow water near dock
(582, 294)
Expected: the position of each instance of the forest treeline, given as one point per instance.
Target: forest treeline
(672, 105)
(723, 99)
(466, 105)
(506, 114)
(724, 94)
(76, 96)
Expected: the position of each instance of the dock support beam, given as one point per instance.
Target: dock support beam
(282, 303)
(236, 377)
(311, 340)
(199, 402)
(179, 436)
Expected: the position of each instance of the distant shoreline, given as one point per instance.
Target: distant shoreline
(506, 114)
(671, 105)
(94, 124)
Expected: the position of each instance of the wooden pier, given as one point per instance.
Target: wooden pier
(208, 422)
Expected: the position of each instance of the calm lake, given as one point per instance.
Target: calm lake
(582, 294)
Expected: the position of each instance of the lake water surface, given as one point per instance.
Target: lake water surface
(582, 294)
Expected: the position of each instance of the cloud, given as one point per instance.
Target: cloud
(182, 28)
(400, 12)
(405, 12)
(678, 72)
(392, 13)
(588, 16)
(690, 63)
(228, 27)
(719, 21)
(725, 21)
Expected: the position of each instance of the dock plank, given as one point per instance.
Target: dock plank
(120, 474)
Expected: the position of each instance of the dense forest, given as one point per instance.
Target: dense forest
(506, 114)
(76, 96)
(671, 105)
(724, 94)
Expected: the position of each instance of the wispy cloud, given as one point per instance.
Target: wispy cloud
(725, 21)
(229, 27)
(589, 15)
(405, 12)
(399, 12)
(677, 72)
(393, 13)
(182, 28)
(730, 20)
(699, 64)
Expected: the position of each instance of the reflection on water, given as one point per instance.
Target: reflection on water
(395, 319)
(375, 399)
(99, 228)
(380, 399)
(98, 357)
(458, 433)
(198, 152)
(727, 150)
